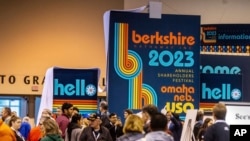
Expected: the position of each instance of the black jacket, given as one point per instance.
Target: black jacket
(88, 134)
(219, 131)
(115, 132)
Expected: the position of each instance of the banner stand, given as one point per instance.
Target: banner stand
(187, 131)
(155, 9)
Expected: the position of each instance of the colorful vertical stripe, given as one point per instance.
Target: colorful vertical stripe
(128, 65)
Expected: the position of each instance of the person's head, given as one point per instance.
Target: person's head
(200, 115)
(67, 109)
(75, 110)
(13, 113)
(219, 111)
(133, 123)
(15, 122)
(46, 113)
(169, 115)
(103, 106)
(42, 119)
(113, 118)
(127, 112)
(49, 126)
(6, 112)
(158, 122)
(95, 121)
(148, 111)
(26, 119)
(207, 122)
(77, 118)
(59, 111)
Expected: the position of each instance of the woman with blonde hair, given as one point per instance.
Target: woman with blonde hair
(133, 129)
(51, 131)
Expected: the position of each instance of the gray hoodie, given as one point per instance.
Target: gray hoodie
(158, 136)
(131, 137)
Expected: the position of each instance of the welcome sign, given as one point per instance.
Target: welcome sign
(153, 61)
(76, 86)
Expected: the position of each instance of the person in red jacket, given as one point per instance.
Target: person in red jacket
(64, 119)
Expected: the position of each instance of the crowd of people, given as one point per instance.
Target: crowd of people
(152, 125)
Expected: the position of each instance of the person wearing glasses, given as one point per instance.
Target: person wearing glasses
(95, 132)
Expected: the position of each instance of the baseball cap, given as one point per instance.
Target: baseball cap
(94, 116)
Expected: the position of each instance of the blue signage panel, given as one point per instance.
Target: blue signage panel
(76, 86)
(153, 61)
(220, 87)
(225, 50)
(225, 38)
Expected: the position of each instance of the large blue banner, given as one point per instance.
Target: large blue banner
(153, 61)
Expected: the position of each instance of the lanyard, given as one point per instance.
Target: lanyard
(18, 133)
(96, 136)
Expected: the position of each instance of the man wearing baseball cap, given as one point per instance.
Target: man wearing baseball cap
(95, 132)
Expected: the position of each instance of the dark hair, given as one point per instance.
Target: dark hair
(128, 111)
(73, 124)
(199, 115)
(150, 109)
(104, 105)
(158, 122)
(7, 110)
(66, 106)
(76, 117)
(112, 114)
(13, 119)
(206, 121)
(203, 128)
(76, 109)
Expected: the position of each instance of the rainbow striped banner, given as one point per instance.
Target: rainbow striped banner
(128, 65)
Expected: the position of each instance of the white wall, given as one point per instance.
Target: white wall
(211, 11)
